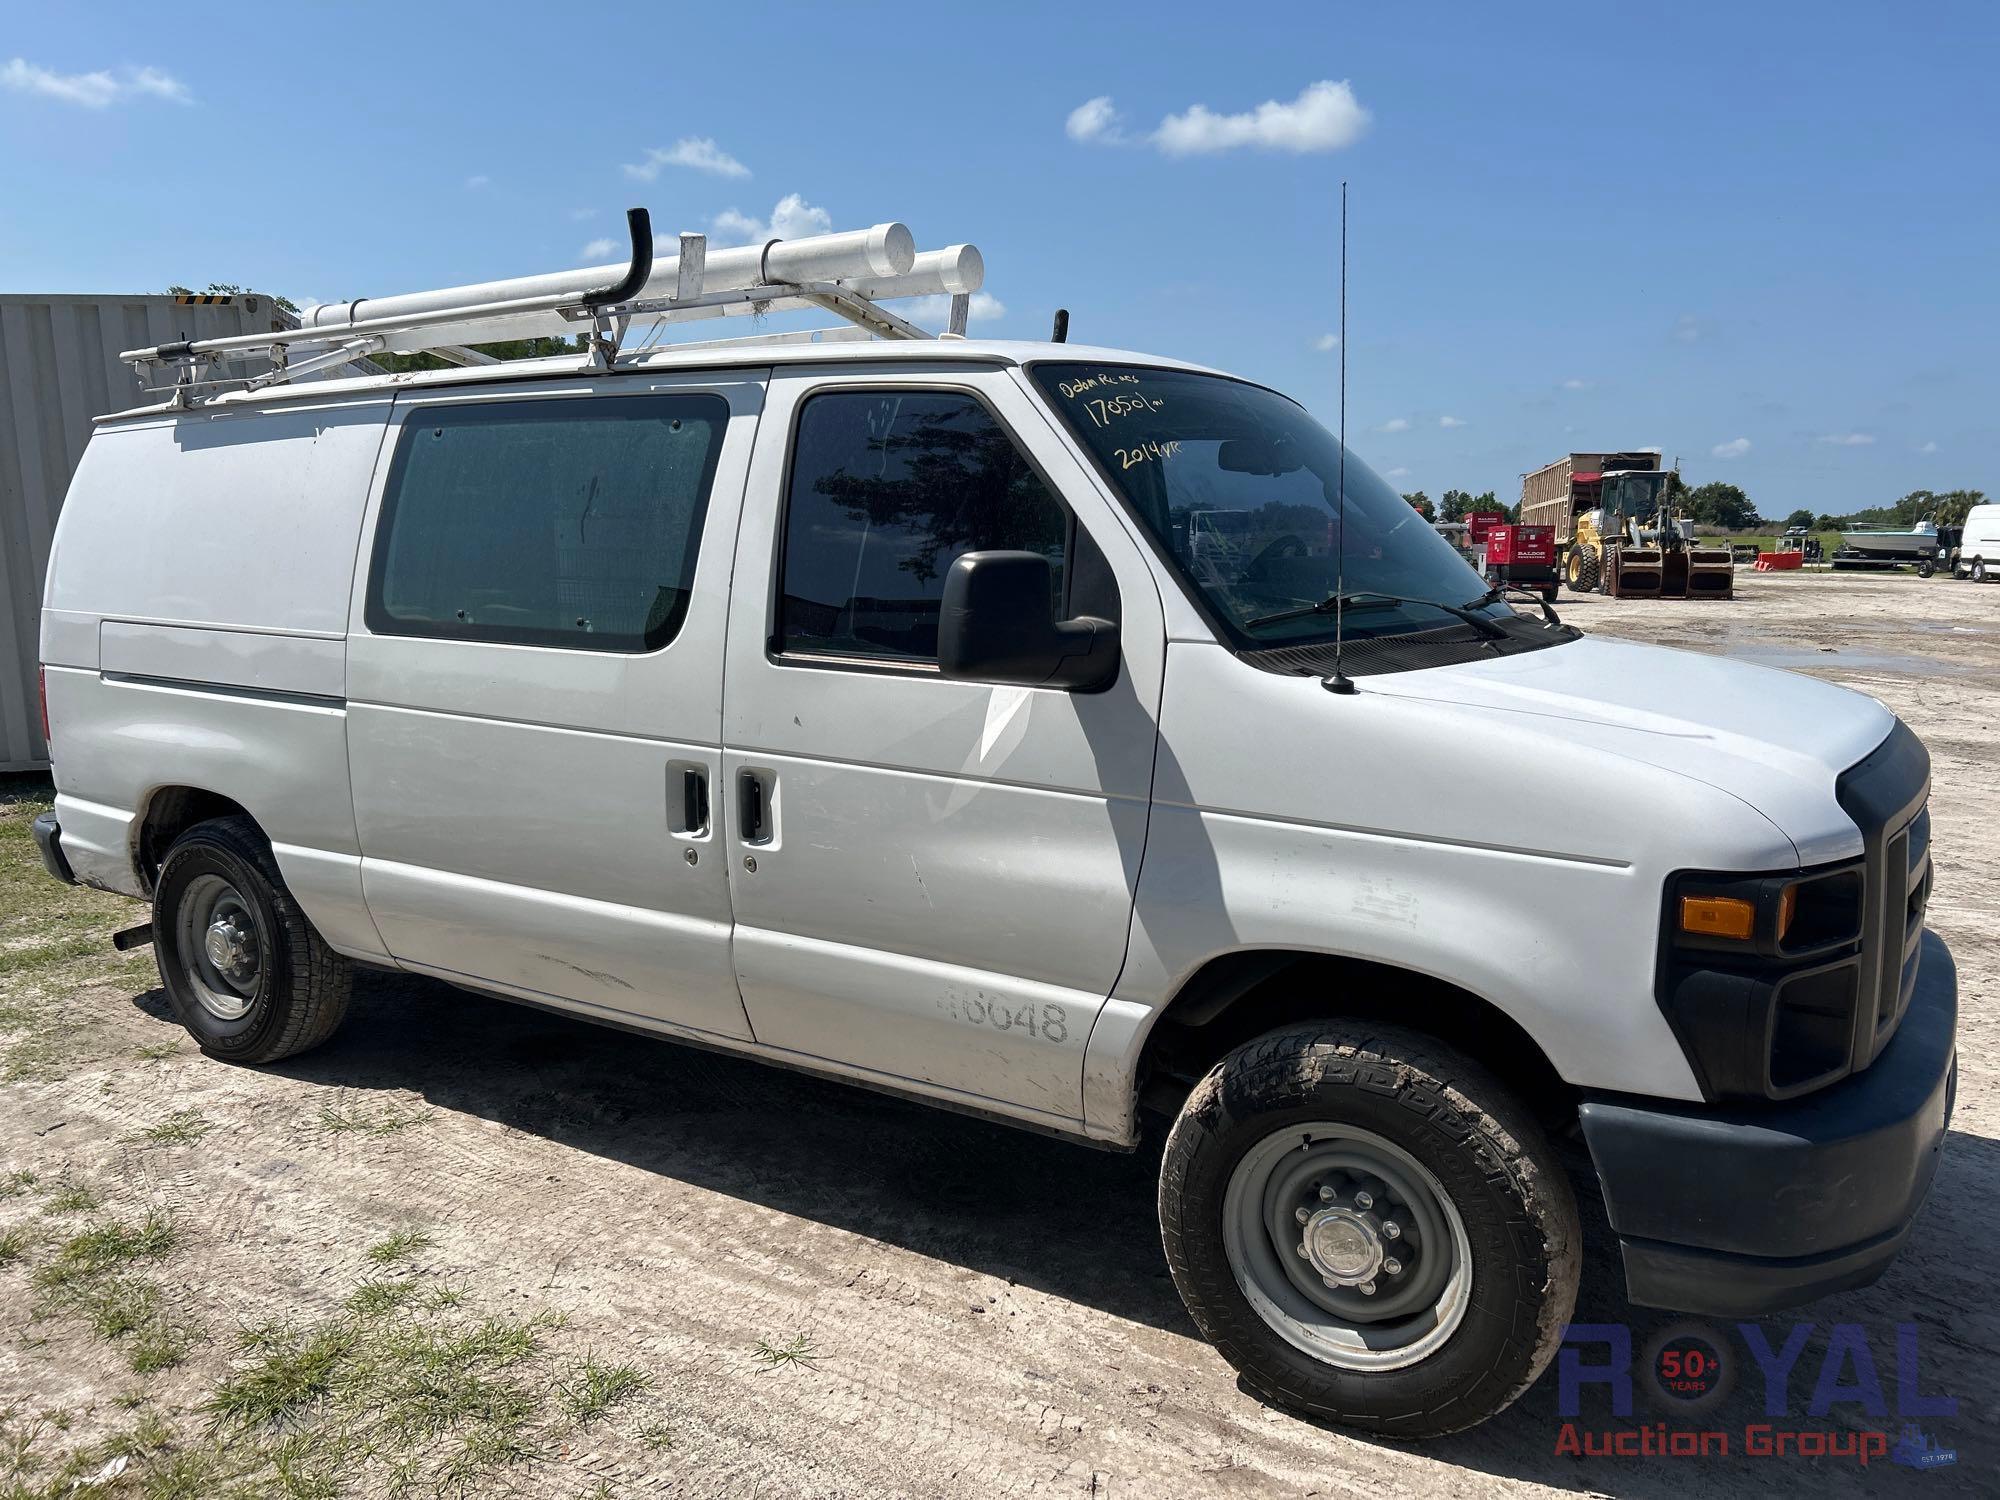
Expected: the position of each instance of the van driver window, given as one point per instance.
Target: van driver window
(887, 489)
(556, 522)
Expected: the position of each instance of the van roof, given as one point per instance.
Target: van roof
(747, 355)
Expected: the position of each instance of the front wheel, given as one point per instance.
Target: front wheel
(1369, 1228)
(1581, 569)
(1979, 570)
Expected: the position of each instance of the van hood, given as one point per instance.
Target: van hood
(1777, 740)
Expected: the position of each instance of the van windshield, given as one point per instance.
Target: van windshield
(1240, 489)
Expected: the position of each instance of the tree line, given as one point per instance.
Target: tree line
(1721, 506)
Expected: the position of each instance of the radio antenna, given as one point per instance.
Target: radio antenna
(1338, 681)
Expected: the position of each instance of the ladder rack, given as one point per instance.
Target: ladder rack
(849, 274)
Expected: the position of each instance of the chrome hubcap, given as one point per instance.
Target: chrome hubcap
(221, 949)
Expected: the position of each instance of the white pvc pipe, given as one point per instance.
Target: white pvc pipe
(884, 251)
(946, 272)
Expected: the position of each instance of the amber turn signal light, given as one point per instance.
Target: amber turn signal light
(1718, 917)
(1788, 905)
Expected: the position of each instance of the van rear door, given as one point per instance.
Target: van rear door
(932, 879)
(534, 689)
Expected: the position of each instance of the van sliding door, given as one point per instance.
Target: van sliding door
(534, 690)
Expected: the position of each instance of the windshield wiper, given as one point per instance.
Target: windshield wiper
(1500, 591)
(1371, 600)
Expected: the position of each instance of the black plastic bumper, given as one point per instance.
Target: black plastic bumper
(48, 841)
(1740, 1211)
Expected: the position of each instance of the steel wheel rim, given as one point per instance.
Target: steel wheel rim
(221, 947)
(1319, 1170)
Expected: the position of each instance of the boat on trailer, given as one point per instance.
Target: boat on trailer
(1892, 544)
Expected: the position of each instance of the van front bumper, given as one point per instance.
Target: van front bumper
(48, 843)
(1733, 1212)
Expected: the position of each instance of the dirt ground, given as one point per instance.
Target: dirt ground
(468, 1247)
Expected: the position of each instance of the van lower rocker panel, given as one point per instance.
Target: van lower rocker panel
(967, 1030)
(624, 959)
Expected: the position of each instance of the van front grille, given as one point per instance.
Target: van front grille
(1887, 795)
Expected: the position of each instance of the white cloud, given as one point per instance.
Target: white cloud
(1734, 448)
(985, 308)
(1398, 472)
(161, 86)
(578, 215)
(1451, 421)
(791, 218)
(1687, 328)
(1848, 439)
(596, 251)
(1326, 343)
(1395, 424)
(1325, 117)
(1650, 448)
(96, 90)
(1573, 384)
(477, 181)
(696, 151)
(1094, 120)
(1930, 447)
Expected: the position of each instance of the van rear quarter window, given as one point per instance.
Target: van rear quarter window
(572, 522)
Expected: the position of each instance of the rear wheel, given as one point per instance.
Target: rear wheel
(244, 970)
(1979, 570)
(1580, 569)
(1369, 1228)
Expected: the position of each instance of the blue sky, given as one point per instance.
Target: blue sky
(1761, 237)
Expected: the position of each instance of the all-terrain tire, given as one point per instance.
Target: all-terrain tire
(1493, 1162)
(301, 987)
(1979, 573)
(1581, 570)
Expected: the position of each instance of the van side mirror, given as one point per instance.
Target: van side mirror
(997, 624)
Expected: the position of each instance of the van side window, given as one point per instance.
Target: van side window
(887, 489)
(562, 522)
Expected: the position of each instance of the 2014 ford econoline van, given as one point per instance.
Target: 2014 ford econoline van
(952, 717)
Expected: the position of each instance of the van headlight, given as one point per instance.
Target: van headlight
(1760, 975)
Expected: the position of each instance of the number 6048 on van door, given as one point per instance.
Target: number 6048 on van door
(868, 707)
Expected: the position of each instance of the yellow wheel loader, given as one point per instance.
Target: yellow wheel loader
(1619, 532)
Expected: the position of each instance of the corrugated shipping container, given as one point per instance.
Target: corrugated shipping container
(59, 368)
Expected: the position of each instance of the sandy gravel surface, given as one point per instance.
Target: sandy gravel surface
(983, 1312)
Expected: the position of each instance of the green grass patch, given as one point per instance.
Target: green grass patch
(156, 1051)
(14, 1184)
(13, 1246)
(72, 1197)
(399, 1247)
(797, 1350)
(94, 1276)
(357, 1121)
(181, 1128)
(592, 1389)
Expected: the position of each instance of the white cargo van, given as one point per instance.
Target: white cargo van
(1978, 553)
(953, 717)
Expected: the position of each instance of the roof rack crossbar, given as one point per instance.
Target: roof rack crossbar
(848, 274)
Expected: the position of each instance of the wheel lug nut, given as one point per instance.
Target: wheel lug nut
(1326, 1195)
(1304, 1216)
(1393, 1266)
(1304, 1254)
(1367, 1289)
(1364, 1200)
(1391, 1229)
